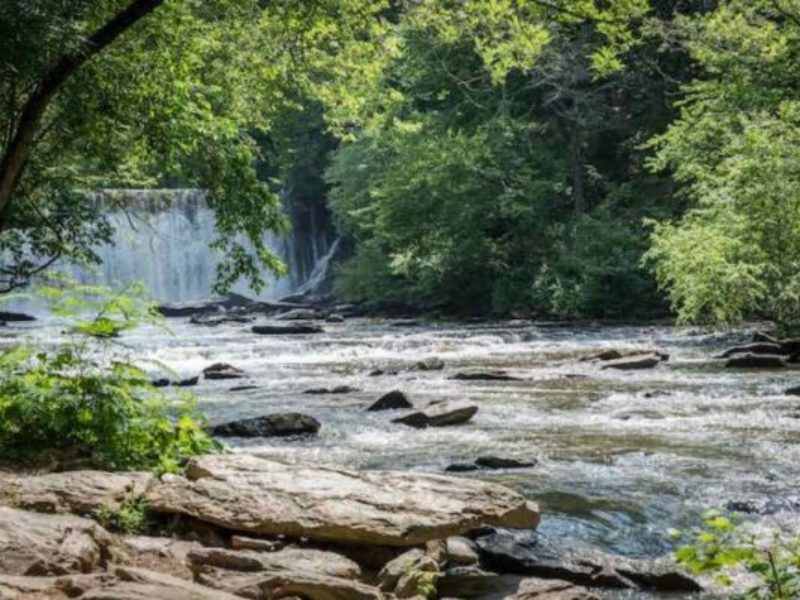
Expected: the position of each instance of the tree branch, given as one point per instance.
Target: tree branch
(18, 150)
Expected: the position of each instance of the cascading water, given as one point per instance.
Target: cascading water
(163, 239)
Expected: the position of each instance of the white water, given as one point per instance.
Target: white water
(163, 239)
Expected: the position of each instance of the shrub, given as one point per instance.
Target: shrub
(79, 400)
(723, 547)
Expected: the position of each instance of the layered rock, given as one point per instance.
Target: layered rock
(551, 589)
(45, 544)
(256, 495)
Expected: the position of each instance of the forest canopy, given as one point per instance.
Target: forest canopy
(559, 158)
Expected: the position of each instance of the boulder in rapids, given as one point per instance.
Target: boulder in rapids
(43, 544)
(275, 425)
(485, 376)
(249, 494)
(214, 320)
(756, 361)
(610, 354)
(334, 318)
(222, 371)
(754, 348)
(212, 305)
(793, 391)
(339, 389)
(291, 329)
(633, 362)
(440, 414)
(394, 400)
(432, 363)
(298, 314)
(15, 317)
(497, 462)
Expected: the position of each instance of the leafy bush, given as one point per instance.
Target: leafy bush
(79, 401)
(722, 547)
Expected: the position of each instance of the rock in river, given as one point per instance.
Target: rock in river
(497, 462)
(392, 401)
(636, 361)
(756, 361)
(440, 414)
(755, 348)
(249, 494)
(485, 376)
(222, 371)
(291, 329)
(275, 425)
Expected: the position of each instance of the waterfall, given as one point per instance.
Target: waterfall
(163, 239)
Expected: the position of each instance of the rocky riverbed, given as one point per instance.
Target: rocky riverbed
(613, 456)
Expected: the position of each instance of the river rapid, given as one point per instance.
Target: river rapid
(622, 456)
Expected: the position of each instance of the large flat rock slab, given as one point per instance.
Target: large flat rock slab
(42, 544)
(80, 492)
(250, 494)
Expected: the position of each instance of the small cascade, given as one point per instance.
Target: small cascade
(321, 270)
(163, 239)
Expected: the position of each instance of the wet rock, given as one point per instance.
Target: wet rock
(496, 462)
(793, 391)
(275, 425)
(785, 502)
(762, 336)
(44, 544)
(304, 573)
(15, 317)
(379, 372)
(243, 388)
(611, 354)
(461, 467)
(79, 492)
(551, 589)
(164, 382)
(222, 371)
(160, 383)
(214, 320)
(524, 553)
(248, 494)
(461, 552)
(485, 376)
(433, 363)
(298, 314)
(394, 400)
(334, 318)
(296, 329)
(212, 305)
(756, 361)
(633, 362)
(441, 414)
(755, 348)
(339, 389)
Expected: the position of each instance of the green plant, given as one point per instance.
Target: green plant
(724, 546)
(83, 398)
(129, 517)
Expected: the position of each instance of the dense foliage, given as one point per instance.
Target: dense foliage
(83, 400)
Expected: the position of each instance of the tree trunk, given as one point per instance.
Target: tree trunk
(576, 172)
(21, 142)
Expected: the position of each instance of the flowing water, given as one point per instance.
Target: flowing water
(623, 456)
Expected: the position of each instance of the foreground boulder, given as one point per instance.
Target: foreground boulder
(276, 425)
(408, 575)
(551, 589)
(43, 544)
(633, 362)
(141, 584)
(394, 400)
(756, 361)
(525, 553)
(249, 494)
(80, 492)
(292, 329)
(222, 371)
(440, 414)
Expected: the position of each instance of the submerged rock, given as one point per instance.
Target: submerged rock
(275, 425)
(433, 363)
(15, 317)
(248, 494)
(461, 467)
(294, 329)
(633, 362)
(611, 354)
(379, 372)
(43, 544)
(497, 462)
(222, 371)
(298, 314)
(334, 318)
(485, 376)
(756, 361)
(243, 388)
(440, 414)
(339, 389)
(392, 401)
(784, 502)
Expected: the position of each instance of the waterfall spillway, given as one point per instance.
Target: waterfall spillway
(163, 239)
